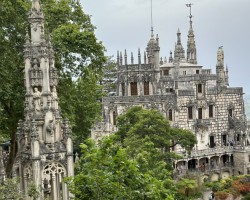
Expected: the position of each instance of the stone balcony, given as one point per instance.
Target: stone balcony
(213, 151)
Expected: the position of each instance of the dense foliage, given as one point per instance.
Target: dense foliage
(78, 55)
(236, 186)
(134, 163)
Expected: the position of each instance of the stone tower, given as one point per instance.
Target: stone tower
(45, 150)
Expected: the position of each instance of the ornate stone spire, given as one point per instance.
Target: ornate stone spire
(191, 46)
(45, 149)
(179, 52)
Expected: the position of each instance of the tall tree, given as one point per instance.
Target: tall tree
(133, 163)
(77, 53)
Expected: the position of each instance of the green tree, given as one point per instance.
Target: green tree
(133, 163)
(9, 189)
(141, 124)
(107, 172)
(77, 53)
(186, 188)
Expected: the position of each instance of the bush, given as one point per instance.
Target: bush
(221, 195)
(247, 197)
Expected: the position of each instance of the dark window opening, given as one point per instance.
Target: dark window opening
(169, 90)
(197, 71)
(123, 89)
(190, 112)
(166, 72)
(134, 88)
(211, 111)
(199, 88)
(230, 112)
(212, 142)
(114, 118)
(146, 88)
(224, 140)
(170, 115)
(199, 113)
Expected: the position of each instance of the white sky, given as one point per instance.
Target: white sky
(125, 24)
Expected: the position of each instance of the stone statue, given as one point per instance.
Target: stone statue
(51, 127)
(36, 5)
(54, 93)
(37, 99)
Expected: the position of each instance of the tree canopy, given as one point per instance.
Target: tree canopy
(133, 163)
(79, 58)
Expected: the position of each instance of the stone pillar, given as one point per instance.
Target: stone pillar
(27, 80)
(54, 186)
(64, 189)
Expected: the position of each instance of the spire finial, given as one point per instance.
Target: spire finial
(152, 28)
(190, 12)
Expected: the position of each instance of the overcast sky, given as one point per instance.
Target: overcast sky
(125, 24)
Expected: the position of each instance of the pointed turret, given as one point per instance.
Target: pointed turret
(191, 46)
(153, 51)
(139, 56)
(220, 71)
(179, 52)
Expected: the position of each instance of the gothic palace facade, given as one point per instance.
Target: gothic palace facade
(191, 97)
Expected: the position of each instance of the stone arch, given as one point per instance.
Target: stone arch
(52, 180)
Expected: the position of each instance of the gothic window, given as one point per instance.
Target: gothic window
(166, 72)
(230, 112)
(211, 111)
(123, 89)
(170, 115)
(190, 112)
(199, 113)
(133, 88)
(199, 88)
(146, 88)
(114, 118)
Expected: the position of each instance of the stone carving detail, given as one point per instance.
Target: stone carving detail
(34, 132)
(37, 99)
(35, 74)
(28, 171)
(53, 76)
(53, 168)
(67, 132)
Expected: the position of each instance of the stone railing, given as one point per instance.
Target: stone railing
(150, 98)
(208, 152)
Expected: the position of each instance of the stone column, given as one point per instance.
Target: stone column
(64, 189)
(54, 186)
